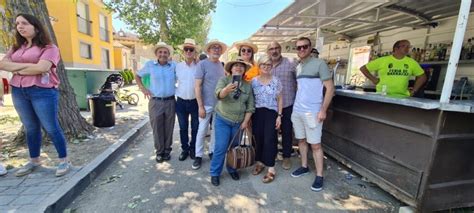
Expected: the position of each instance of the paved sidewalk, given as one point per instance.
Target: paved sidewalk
(25, 194)
(34, 192)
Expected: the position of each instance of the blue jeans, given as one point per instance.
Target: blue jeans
(224, 131)
(38, 107)
(184, 109)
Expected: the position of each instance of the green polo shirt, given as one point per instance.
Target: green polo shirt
(234, 109)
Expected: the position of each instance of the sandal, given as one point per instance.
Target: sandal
(268, 178)
(258, 169)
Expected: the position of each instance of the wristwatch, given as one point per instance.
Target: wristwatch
(280, 115)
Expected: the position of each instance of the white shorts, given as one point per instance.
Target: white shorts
(307, 127)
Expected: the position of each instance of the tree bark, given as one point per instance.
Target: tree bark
(73, 124)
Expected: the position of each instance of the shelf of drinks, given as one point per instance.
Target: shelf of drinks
(446, 62)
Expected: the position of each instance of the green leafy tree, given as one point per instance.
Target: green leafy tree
(170, 21)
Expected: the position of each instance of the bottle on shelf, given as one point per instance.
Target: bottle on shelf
(448, 51)
(440, 52)
(426, 57)
(422, 55)
(418, 55)
(413, 54)
(468, 50)
(434, 53)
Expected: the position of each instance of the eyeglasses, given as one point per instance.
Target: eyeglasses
(245, 50)
(188, 49)
(302, 47)
(274, 48)
(216, 47)
(266, 65)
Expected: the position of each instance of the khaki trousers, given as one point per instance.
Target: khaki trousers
(162, 118)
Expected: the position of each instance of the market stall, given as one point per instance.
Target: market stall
(417, 149)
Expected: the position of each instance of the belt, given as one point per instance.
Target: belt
(163, 98)
(186, 99)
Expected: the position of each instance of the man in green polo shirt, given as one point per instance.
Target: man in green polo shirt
(394, 72)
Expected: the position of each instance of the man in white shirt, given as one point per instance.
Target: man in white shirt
(186, 104)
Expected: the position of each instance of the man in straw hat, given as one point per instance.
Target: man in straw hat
(186, 104)
(208, 72)
(161, 106)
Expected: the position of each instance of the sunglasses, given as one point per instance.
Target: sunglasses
(188, 49)
(302, 47)
(245, 50)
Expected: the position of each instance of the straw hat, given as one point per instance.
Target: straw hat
(215, 41)
(229, 64)
(248, 43)
(163, 45)
(189, 42)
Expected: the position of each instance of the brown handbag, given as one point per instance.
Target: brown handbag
(242, 155)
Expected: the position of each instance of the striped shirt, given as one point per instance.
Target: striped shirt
(285, 71)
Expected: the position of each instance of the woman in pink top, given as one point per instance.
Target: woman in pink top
(33, 60)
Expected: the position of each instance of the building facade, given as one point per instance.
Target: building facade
(83, 30)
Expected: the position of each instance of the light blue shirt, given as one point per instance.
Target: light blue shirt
(162, 78)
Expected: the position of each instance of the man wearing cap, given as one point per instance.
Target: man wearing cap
(309, 110)
(161, 106)
(208, 73)
(284, 69)
(186, 104)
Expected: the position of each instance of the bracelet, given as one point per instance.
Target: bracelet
(280, 115)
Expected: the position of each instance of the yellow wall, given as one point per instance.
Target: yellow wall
(119, 65)
(68, 35)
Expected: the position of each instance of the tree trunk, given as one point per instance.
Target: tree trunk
(73, 124)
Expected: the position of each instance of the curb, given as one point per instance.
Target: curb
(66, 193)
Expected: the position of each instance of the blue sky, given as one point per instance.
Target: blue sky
(236, 20)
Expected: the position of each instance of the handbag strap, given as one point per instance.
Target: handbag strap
(238, 133)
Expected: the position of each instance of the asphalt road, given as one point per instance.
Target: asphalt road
(136, 183)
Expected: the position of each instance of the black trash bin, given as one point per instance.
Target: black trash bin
(103, 110)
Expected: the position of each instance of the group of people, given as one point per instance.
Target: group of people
(266, 97)
(274, 94)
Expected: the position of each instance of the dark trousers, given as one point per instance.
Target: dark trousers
(185, 109)
(162, 117)
(266, 139)
(287, 131)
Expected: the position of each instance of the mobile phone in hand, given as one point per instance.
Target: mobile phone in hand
(236, 79)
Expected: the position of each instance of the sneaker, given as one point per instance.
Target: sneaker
(192, 154)
(317, 184)
(286, 164)
(3, 171)
(197, 163)
(300, 172)
(26, 169)
(63, 168)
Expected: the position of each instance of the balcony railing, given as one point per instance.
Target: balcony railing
(84, 25)
(104, 34)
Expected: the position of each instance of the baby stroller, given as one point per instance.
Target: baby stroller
(112, 86)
